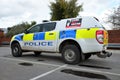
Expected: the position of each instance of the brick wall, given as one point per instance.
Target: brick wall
(5, 40)
(114, 36)
(1, 33)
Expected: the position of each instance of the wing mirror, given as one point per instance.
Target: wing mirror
(26, 31)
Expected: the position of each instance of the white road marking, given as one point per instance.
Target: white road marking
(47, 73)
(54, 65)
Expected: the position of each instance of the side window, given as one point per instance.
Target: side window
(49, 26)
(36, 28)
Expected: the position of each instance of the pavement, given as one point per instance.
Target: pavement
(49, 66)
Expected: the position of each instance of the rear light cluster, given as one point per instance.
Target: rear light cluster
(100, 36)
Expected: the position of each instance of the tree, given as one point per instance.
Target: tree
(62, 9)
(19, 28)
(114, 18)
(33, 23)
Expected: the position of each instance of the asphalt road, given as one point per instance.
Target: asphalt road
(50, 66)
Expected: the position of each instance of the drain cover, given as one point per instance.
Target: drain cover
(26, 64)
(85, 74)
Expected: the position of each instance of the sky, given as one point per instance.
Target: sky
(13, 12)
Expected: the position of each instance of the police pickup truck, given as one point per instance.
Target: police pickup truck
(76, 39)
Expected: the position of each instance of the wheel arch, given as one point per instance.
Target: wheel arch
(69, 41)
(13, 42)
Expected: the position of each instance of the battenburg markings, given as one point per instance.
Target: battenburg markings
(38, 43)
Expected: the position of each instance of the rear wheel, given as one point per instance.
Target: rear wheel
(87, 56)
(71, 54)
(37, 53)
(16, 50)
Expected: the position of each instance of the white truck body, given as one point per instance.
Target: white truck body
(84, 32)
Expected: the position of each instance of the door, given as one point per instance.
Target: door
(28, 38)
(41, 37)
(50, 37)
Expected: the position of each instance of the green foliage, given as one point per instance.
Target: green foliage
(33, 23)
(19, 28)
(62, 9)
(114, 18)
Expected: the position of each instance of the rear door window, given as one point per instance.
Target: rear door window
(49, 26)
(36, 28)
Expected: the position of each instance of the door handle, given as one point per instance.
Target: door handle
(51, 33)
(88, 29)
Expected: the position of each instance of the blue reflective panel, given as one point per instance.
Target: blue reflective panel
(19, 37)
(67, 34)
(39, 36)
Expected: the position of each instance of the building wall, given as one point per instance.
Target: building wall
(3, 39)
(114, 36)
(1, 34)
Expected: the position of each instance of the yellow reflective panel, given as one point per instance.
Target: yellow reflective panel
(50, 35)
(12, 38)
(28, 37)
(85, 33)
(105, 37)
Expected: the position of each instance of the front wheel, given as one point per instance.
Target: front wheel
(16, 50)
(71, 54)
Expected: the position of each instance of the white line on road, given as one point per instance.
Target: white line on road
(49, 72)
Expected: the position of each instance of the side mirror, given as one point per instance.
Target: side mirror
(26, 31)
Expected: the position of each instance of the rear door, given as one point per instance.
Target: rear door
(50, 37)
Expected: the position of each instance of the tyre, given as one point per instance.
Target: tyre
(87, 56)
(37, 53)
(16, 50)
(71, 54)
